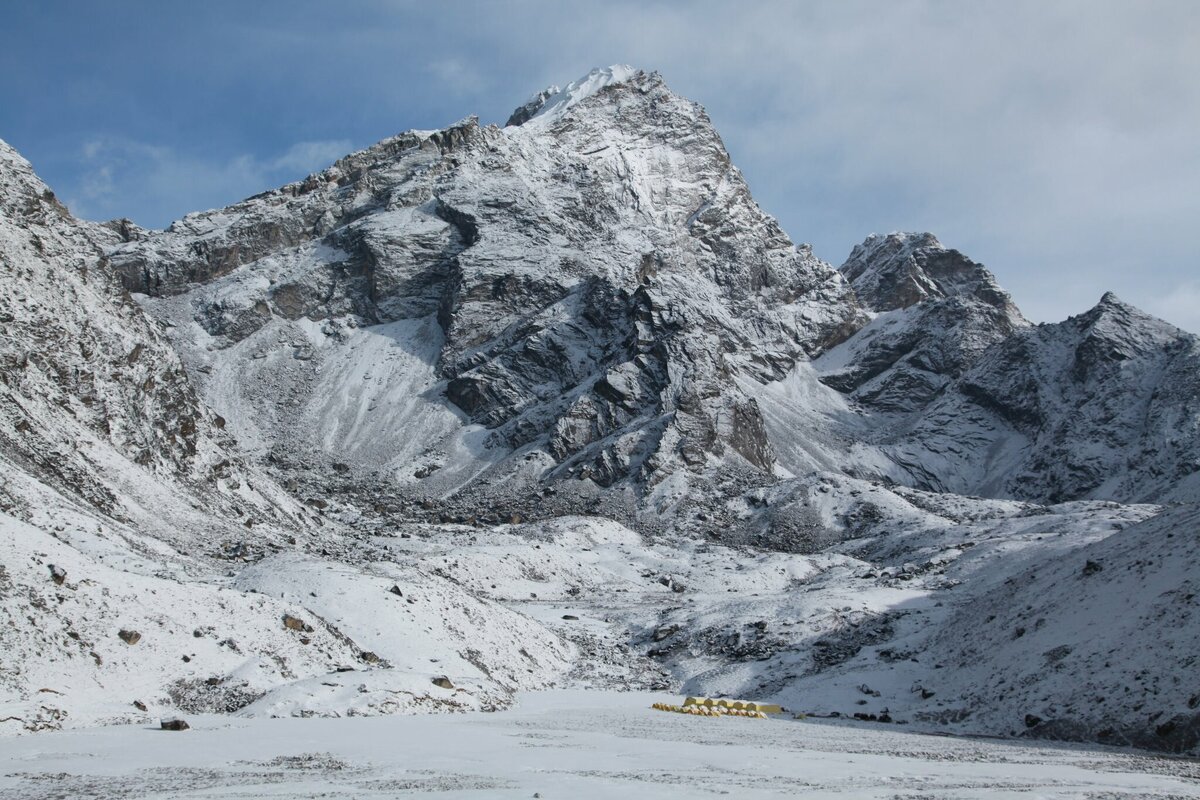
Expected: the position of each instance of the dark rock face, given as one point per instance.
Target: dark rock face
(531, 107)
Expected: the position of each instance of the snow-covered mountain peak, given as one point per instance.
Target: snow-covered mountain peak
(549, 105)
(586, 285)
(8, 154)
(524, 112)
(1121, 330)
(899, 270)
(1110, 305)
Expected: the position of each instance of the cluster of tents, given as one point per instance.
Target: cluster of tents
(707, 707)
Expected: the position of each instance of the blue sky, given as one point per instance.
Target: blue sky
(1058, 143)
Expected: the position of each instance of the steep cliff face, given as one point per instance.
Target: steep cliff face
(584, 286)
(93, 400)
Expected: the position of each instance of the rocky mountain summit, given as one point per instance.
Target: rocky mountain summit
(466, 380)
(1102, 406)
(587, 300)
(935, 312)
(573, 297)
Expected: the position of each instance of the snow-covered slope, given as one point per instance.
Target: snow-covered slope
(1094, 643)
(130, 634)
(1073, 622)
(126, 508)
(93, 400)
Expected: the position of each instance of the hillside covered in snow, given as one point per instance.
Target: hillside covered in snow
(490, 409)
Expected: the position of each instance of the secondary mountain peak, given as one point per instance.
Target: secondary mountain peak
(1114, 329)
(898, 270)
(1112, 305)
(22, 192)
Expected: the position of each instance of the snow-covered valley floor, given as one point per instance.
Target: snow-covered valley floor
(567, 744)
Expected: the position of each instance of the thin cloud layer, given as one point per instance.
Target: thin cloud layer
(111, 171)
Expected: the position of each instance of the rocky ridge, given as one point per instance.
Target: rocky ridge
(1103, 406)
(93, 399)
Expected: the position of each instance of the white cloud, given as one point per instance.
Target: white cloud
(154, 184)
(457, 75)
(308, 157)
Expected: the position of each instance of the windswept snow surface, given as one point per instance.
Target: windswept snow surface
(568, 745)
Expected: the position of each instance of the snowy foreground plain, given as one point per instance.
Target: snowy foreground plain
(567, 744)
